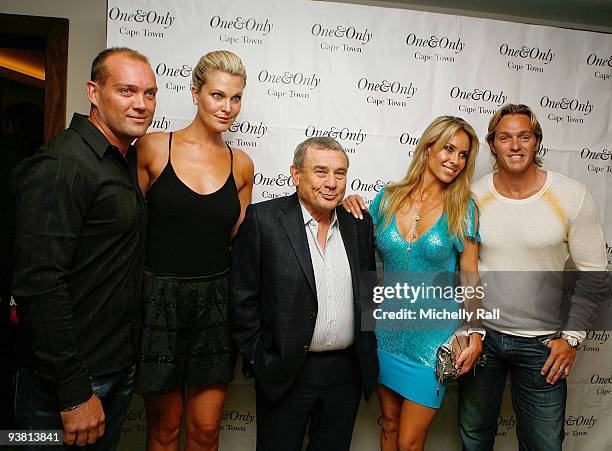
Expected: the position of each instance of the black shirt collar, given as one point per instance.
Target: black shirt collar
(90, 134)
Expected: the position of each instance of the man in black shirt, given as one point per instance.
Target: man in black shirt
(80, 229)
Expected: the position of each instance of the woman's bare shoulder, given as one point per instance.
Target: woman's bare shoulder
(152, 146)
(243, 162)
(153, 140)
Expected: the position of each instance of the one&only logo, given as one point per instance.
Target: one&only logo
(160, 124)
(387, 93)
(235, 420)
(241, 30)
(602, 65)
(526, 58)
(147, 23)
(409, 139)
(482, 101)
(342, 38)
(368, 188)
(579, 425)
(594, 339)
(566, 110)
(602, 384)
(274, 186)
(350, 138)
(440, 49)
(505, 425)
(135, 421)
(598, 161)
(289, 85)
(542, 151)
(178, 76)
(250, 133)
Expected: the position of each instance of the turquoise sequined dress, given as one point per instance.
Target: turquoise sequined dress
(407, 347)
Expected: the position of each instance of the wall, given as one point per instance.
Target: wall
(513, 12)
(87, 36)
(373, 78)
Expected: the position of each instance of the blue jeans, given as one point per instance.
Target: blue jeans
(36, 406)
(539, 406)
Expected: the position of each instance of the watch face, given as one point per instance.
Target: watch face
(572, 341)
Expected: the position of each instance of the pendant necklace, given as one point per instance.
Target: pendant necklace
(417, 218)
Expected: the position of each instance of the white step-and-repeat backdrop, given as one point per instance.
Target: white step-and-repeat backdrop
(374, 78)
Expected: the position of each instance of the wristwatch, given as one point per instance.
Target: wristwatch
(570, 339)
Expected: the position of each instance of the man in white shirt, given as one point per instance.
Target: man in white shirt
(532, 222)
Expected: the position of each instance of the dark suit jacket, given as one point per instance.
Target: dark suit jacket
(273, 296)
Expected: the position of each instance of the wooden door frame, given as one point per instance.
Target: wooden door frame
(54, 32)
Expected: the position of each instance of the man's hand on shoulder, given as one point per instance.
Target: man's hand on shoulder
(84, 424)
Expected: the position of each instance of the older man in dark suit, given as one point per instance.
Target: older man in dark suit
(299, 307)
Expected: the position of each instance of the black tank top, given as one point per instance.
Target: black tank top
(189, 233)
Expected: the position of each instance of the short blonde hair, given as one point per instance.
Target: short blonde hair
(222, 60)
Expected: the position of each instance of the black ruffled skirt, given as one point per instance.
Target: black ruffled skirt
(186, 337)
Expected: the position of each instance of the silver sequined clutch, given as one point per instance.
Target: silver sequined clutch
(447, 353)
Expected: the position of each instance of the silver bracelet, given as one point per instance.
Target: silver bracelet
(70, 409)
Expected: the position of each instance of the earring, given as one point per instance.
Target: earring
(195, 102)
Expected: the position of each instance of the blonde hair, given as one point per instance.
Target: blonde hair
(457, 194)
(222, 60)
(511, 108)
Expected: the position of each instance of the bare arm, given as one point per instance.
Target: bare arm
(245, 175)
(152, 154)
(469, 277)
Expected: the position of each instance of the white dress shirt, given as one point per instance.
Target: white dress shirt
(334, 327)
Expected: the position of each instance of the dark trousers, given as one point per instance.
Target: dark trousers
(36, 406)
(326, 393)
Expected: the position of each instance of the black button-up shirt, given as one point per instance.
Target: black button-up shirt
(79, 253)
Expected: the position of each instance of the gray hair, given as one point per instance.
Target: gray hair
(316, 142)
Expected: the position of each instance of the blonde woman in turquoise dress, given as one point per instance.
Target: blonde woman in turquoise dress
(426, 229)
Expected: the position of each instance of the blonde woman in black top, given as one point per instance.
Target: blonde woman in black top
(197, 190)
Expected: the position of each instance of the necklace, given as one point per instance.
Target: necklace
(417, 218)
(415, 231)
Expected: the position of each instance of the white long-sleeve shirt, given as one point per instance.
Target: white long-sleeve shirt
(525, 247)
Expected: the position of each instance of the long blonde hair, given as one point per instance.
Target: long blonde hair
(456, 195)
